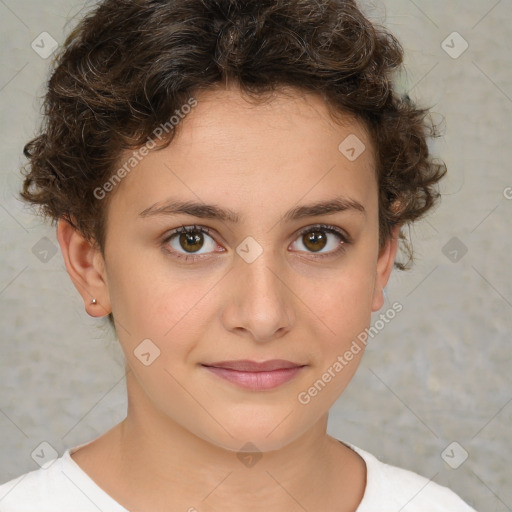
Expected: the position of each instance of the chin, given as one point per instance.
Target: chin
(265, 435)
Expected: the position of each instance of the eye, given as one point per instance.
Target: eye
(186, 242)
(190, 239)
(316, 238)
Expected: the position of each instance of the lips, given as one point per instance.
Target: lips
(255, 376)
(253, 366)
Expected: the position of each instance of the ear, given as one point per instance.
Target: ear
(385, 263)
(86, 268)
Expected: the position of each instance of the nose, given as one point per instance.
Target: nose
(260, 302)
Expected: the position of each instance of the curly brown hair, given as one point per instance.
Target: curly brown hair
(130, 64)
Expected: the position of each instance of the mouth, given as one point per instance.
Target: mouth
(256, 376)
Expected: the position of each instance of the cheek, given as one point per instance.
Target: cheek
(345, 300)
(345, 307)
(144, 296)
(173, 310)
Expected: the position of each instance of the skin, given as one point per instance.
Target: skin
(177, 448)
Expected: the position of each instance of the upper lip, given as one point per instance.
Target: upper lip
(253, 366)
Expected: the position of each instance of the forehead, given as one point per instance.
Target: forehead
(302, 118)
(252, 153)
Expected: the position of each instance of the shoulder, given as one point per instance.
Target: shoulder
(54, 489)
(389, 488)
(37, 490)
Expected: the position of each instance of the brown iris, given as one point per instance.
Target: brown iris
(192, 238)
(315, 240)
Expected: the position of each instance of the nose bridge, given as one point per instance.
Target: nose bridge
(260, 276)
(262, 303)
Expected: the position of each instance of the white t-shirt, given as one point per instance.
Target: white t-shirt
(64, 487)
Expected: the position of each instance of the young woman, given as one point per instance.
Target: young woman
(229, 181)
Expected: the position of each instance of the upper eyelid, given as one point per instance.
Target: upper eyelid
(332, 229)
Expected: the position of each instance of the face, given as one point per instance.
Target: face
(270, 279)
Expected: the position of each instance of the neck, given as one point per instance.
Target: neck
(163, 466)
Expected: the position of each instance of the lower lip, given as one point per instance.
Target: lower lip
(257, 381)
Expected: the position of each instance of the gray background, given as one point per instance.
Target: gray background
(438, 373)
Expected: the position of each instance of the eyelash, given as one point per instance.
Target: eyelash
(345, 239)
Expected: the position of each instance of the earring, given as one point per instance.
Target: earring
(94, 301)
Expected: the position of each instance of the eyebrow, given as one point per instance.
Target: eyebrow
(212, 211)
